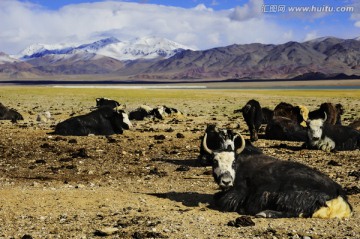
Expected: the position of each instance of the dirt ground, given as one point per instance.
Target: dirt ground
(146, 183)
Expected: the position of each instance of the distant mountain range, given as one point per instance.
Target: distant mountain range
(153, 58)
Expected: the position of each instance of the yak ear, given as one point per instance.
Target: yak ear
(239, 143)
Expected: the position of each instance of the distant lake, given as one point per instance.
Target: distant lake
(303, 87)
(347, 84)
(220, 87)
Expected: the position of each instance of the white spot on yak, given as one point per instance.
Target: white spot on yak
(126, 120)
(227, 141)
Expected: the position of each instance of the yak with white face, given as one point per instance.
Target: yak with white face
(316, 137)
(264, 186)
(218, 139)
(327, 137)
(223, 163)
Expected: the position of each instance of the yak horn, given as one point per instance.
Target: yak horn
(205, 146)
(239, 150)
(325, 118)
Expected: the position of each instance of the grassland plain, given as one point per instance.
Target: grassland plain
(136, 186)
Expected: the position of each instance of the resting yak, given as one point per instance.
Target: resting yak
(264, 186)
(297, 113)
(160, 112)
(222, 139)
(282, 128)
(288, 123)
(332, 111)
(105, 102)
(217, 139)
(327, 137)
(103, 121)
(9, 114)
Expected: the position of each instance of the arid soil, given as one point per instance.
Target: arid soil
(146, 183)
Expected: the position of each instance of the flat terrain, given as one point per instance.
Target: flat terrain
(137, 185)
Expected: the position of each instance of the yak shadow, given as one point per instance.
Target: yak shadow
(189, 199)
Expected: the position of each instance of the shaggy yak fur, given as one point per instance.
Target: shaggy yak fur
(103, 121)
(268, 187)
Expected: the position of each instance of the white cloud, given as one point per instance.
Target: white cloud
(356, 14)
(252, 9)
(311, 36)
(202, 7)
(23, 24)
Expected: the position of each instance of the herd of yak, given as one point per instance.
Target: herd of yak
(251, 182)
(320, 129)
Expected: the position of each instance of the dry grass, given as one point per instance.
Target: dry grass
(187, 100)
(49, 192)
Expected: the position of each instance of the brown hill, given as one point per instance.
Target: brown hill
(328, 56)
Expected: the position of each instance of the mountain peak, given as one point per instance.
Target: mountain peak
(93, 47)
(328, 55)
(149, 47)
(326, 38)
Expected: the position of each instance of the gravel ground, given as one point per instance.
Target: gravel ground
(146, 183)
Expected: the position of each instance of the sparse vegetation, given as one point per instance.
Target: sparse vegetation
(146, 183)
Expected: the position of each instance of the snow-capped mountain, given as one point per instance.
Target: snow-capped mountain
(153, 58)
(139, 48)
(42, 48)
(142, 48)
(322, 39)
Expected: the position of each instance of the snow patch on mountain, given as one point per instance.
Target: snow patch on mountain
(142, 48)
(321, 39)
(4, 58)
(43, 48)
(139, 48)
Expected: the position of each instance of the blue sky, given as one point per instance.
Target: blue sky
(199, 24)
(217, 5)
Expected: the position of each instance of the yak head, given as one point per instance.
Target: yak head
(118, 118)
(126, 124)
(224, 162)
(315, 128)
(219, 139)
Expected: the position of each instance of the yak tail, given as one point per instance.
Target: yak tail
(336, 208)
